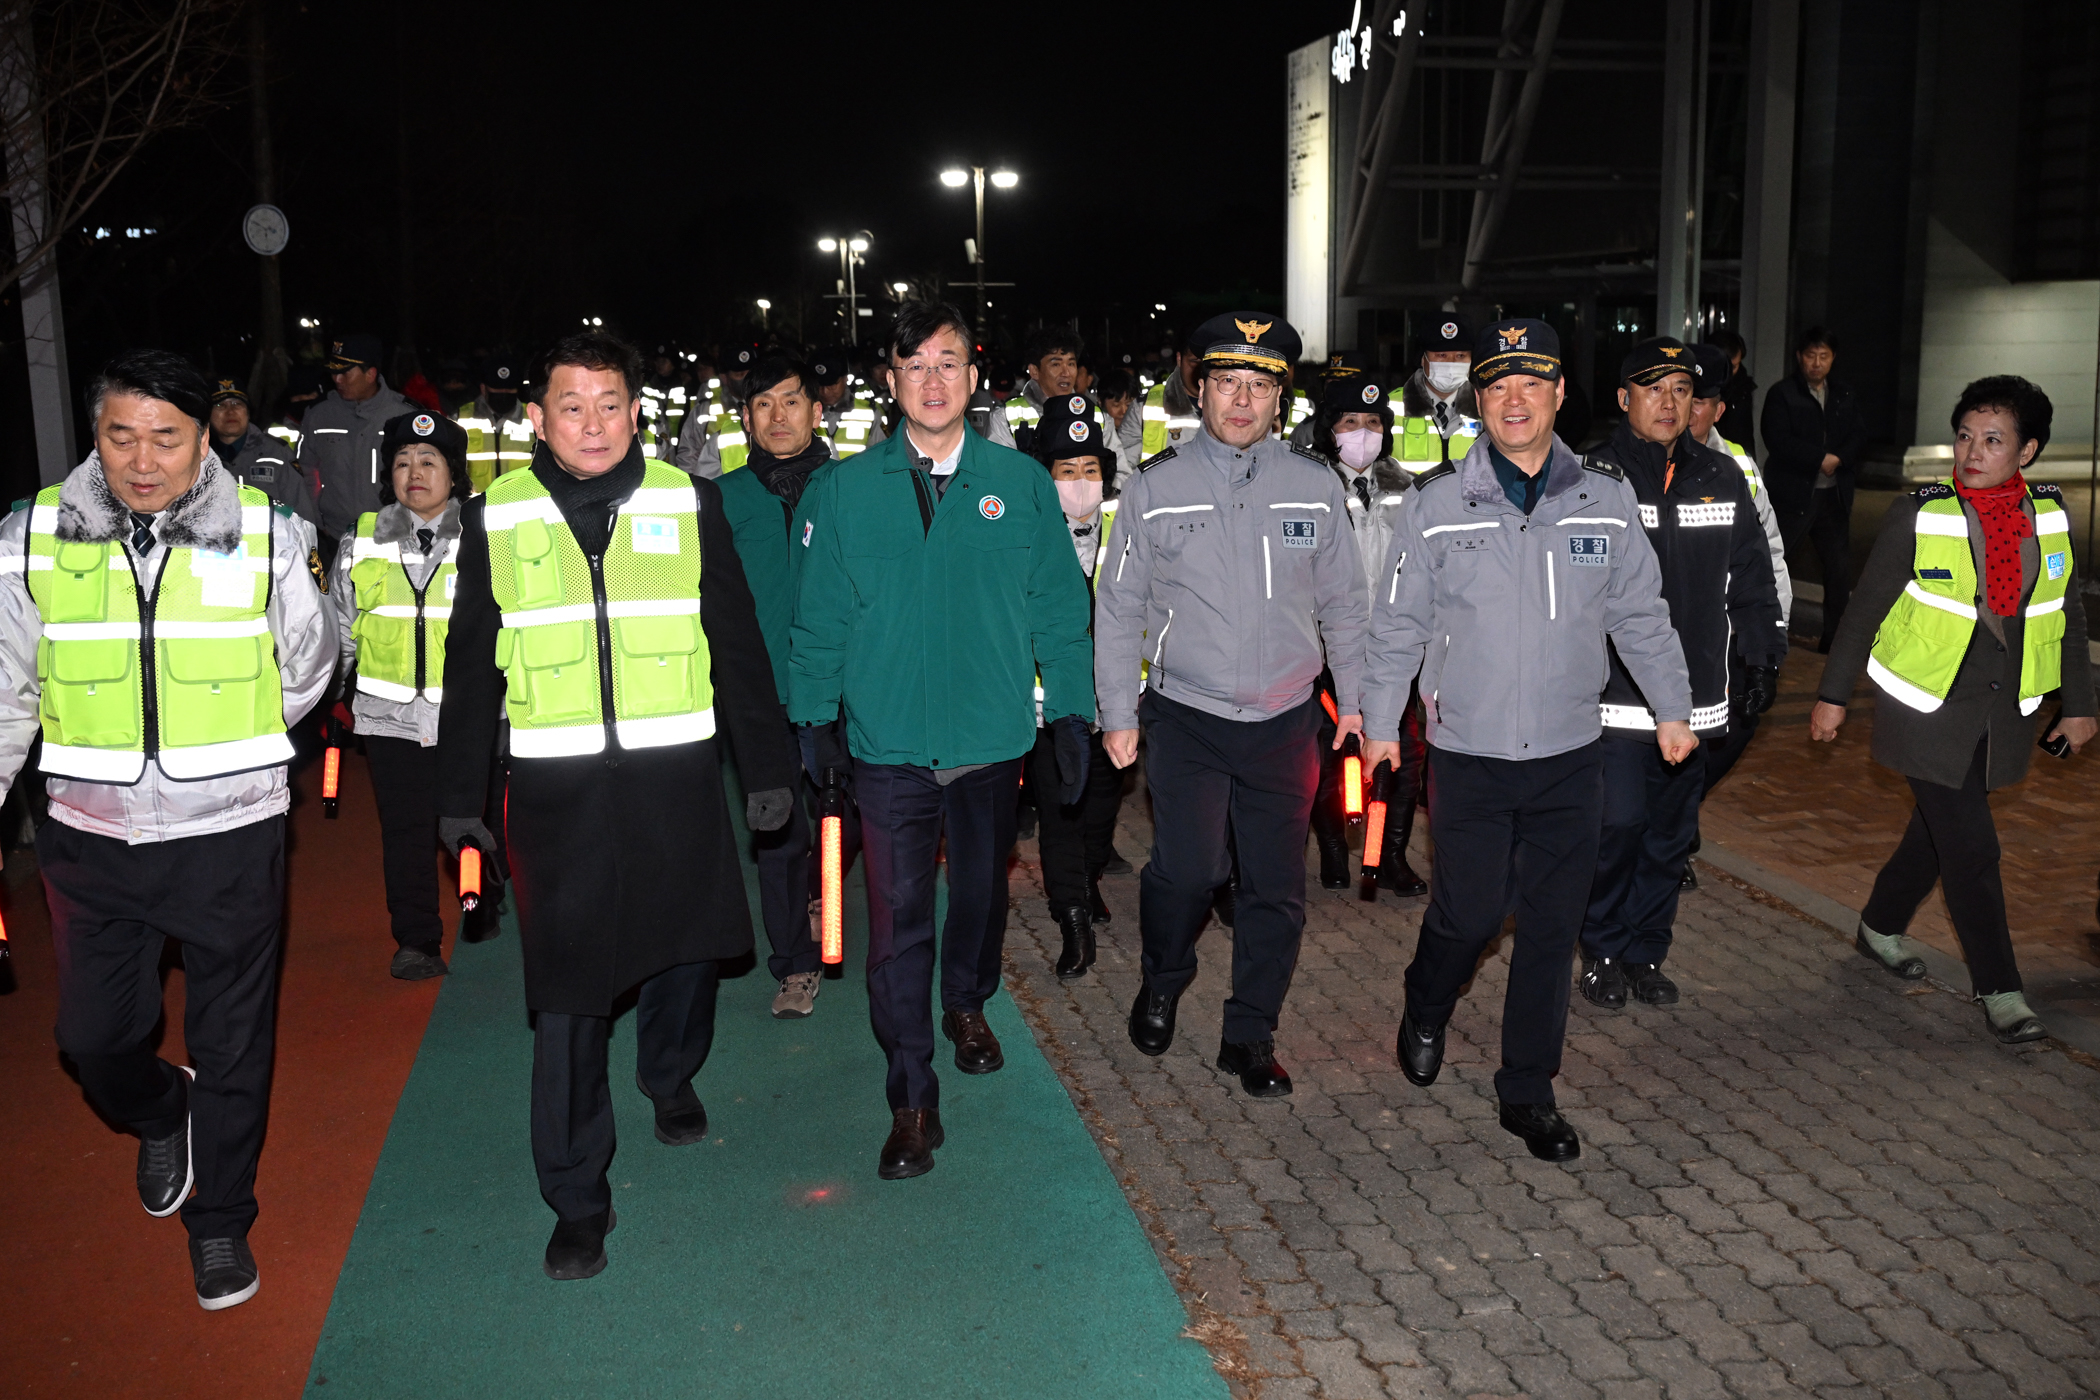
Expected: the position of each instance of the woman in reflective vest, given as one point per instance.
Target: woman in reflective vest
(393, 581)
(1960, 620)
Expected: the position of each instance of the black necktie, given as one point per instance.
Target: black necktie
(1441, 410)
(1363, 492)
(424, 538)
(142, 533)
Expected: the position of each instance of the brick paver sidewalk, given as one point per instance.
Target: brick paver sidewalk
(1807, 1177)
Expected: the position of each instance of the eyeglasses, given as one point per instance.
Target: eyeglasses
(916, 372)
(1254, 386)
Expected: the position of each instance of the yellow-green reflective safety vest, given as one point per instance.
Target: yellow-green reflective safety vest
(663, 416)
(191, 680)
(856, 424)
(1746, 464)
(1920, 646)
(400, 629)
(567, 618)
(494, 448)
(732, 445)
(1418, 446)
(1162, 429)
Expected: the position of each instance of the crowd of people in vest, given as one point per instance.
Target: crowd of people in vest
(556, 619)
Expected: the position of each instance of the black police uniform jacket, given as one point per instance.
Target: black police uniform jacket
(1716, 574)
(623, 863)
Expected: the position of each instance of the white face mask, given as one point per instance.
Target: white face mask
(1359, 446)
(1080, 499)
(1447, 376)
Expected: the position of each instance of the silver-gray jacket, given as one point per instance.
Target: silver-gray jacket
(1388, 484)
(395, 529)
(339, 444)
(260, 459)
(1506, 617)
(1227, 571)
(208, 515)
(1763, 499)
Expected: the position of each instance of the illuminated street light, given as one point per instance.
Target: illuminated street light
(1005, 179)
(827, 245)
(850, 250)
(1001, 179)
(955, 179)
(859, 245)
(900, 288)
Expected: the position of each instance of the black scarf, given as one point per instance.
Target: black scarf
(588, 503)
(786, 476)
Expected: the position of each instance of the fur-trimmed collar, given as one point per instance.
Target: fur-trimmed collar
(1388, 477)
(397, 522)
(207, 516)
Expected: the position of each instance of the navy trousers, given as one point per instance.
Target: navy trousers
(904, 811)
(1211, 779)
(1509, 833)
(1651, 813)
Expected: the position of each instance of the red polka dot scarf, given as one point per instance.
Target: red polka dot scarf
(2001, 509)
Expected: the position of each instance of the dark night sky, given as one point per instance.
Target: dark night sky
(662, 165)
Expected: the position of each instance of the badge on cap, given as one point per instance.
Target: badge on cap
(338, 348)
(991, 507)
(1370, 393)
(1077, 405)
(503, 371)
(821, 368)
(1513, 337)
(1076, 430)
(1673, 351)
(424, 425)
(1253, 330)
(743, 357)
(1449, 330)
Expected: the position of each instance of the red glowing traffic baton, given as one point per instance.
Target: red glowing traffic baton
(832, 840)
(469, 878)
(1353, 787)
(7, 962)
(331, 780)
(1374, 835)
(1327, 703)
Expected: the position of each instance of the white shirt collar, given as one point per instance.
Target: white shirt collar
(946, 464)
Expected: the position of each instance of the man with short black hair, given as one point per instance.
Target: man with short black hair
(1051, 362)
(602, 609)
(339, 438)
(937, 583)
(256, 458)
(1814, 436)
(1171, 414)
(166, 756)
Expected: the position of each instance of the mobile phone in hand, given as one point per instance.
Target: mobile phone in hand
(2053, 741)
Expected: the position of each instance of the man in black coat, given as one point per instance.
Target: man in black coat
(1716, 564)
(622, 852)
(1813, 439)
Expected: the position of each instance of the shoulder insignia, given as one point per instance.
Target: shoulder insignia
(1435, 473)
(2046, 488)
(1934, 491)
(1155, 459)
(1604, 468)
(282, 509)
(1320, 462)
(313, 566)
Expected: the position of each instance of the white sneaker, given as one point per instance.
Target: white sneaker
(798, 996)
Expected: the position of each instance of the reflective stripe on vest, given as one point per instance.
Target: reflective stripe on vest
(400, 632)
(731, 444)
(492, 448)
(203, 644)
(1162, 429)
(1919, 647)
(641, 608)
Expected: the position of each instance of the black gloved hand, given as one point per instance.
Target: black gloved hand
(1760, 690)
(453, 832)
(1068, 738)
(768, 810)
(831, 751)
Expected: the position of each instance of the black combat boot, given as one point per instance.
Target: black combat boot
(1078, 955)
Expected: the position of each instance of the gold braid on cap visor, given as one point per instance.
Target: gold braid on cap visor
(1251, 356)
(1517, 362)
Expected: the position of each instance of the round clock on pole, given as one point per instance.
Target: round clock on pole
(266, 229)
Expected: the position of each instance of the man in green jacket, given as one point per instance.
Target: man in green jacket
(937, 583)
(781, 416)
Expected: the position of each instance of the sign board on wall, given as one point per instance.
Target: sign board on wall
(1307, 197)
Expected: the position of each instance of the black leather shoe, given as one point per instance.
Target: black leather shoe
(1255, 1064)
(1077, 924)
(1603, 983)
(1421, 1050)
(976, 1048)
(1334, 860)
(908, 1150)
(1645, 982)
(166, 1171)
(1225, 902)
(1544, 1131)
(577, 1247)
(1152, 1021)
(225, 1272)
(1691, 878)
(681, 1120)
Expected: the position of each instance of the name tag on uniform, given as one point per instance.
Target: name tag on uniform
(1301, 534)
(1589, 549)
(227, 580)
(2055, 563)
(1946, 575)
(653, 534)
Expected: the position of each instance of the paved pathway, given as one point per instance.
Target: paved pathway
(1806, 1178)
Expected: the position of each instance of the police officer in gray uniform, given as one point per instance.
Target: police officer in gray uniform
(1230, 564)
(1508, 575)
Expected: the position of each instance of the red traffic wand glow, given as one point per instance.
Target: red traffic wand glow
(469, 879)
(1374, 834)
(331, 780)
(7, 962)
(832, 836)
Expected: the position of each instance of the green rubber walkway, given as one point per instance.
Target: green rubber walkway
(768, 1261)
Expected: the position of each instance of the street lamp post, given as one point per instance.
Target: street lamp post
(1001, 179)
(850, 250)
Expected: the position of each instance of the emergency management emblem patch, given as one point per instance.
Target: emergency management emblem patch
(1589, 549)
(991, 507)
(313, 566)
(1301, 534)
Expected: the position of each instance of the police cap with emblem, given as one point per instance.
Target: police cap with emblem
(1516, 345)
(1247, 340)
(1357, 393)
(741, 356)
(502, 372)
(1446, 331)
(224, 389)
(828, 365)
(1067, 429)
(1711, 371)
(440, 432)
(360, 351)
(1342, 364)
(1656, 359)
